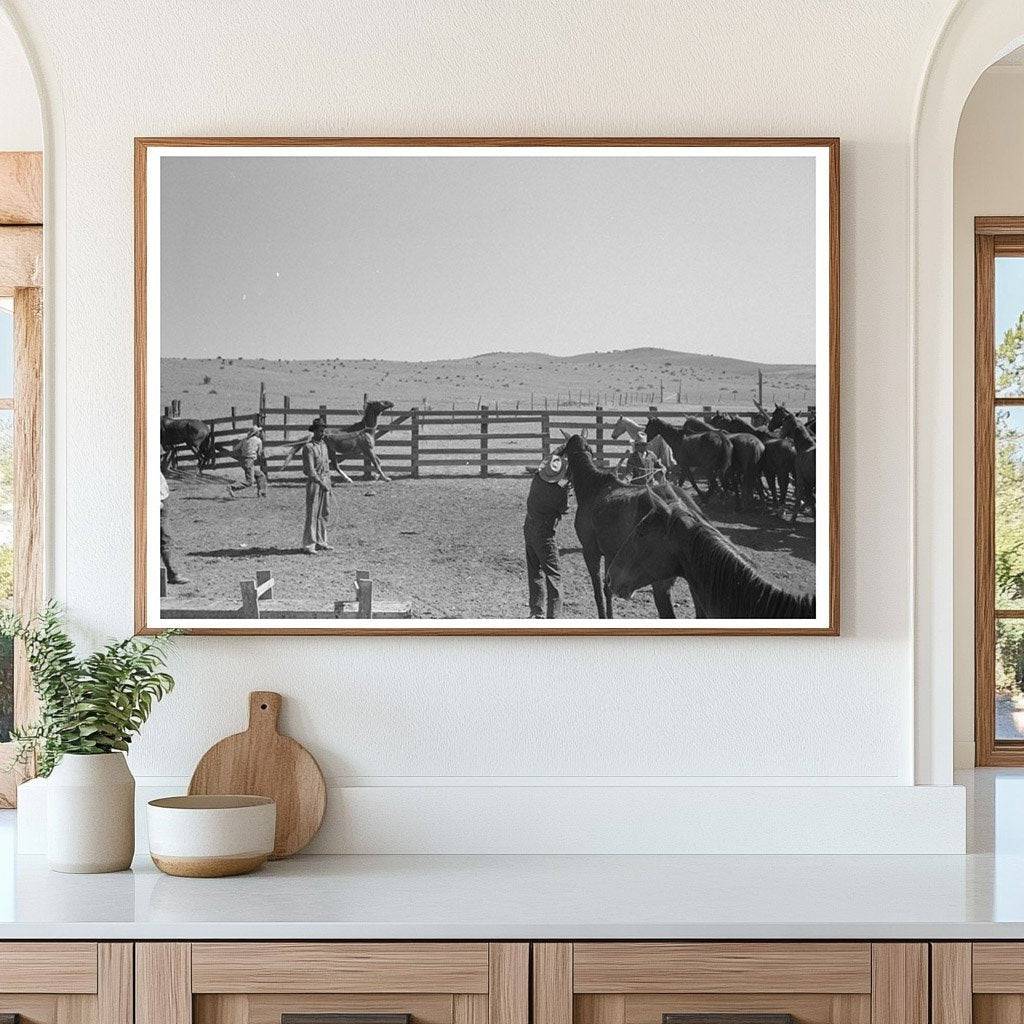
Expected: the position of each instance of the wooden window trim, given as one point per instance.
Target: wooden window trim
(993, 236)
(21, 261)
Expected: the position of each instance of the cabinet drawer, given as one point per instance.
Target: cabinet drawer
(263, 982)
(66, 982)
(340, 967)
(630, 967)
(736, 982)
(48, 967)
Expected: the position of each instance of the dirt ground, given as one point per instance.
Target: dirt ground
(453, 546)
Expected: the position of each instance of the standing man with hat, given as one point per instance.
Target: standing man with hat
(316, 465)
(545, 505)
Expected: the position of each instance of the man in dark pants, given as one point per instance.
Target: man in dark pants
(545, 505)
(165, 537)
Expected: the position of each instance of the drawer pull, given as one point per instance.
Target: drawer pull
(728, 1018)
(340, 1018)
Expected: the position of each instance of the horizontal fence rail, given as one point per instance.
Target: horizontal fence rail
(442, 441)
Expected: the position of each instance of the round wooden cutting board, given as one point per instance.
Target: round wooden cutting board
(262, 762)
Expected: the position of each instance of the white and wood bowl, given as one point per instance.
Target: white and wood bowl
(211, 836)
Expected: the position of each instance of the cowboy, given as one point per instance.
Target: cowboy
(545, 505)
(316, 465)
(165, 537)
(249, 453)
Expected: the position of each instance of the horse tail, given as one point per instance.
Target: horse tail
(208, 449)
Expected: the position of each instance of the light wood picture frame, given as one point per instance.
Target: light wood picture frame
(199, 359)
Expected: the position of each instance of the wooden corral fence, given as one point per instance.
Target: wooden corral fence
(419, 442)
(260, 590)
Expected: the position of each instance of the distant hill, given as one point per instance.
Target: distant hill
(627, 378)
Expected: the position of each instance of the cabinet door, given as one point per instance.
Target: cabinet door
(332, 983)
(980, 982)
(66, 982)
(737, 982)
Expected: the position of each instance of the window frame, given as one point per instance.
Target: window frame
(21, 278)
(993, 237)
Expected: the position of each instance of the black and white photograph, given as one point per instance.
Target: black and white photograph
(480, 387)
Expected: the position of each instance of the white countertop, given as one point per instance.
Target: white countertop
(978, 896)
(532, 897)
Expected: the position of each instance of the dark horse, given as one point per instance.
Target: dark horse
(805, 460)
(674, 538)
(195, 435)
(709, 450)
(607, 510)
(738, 425)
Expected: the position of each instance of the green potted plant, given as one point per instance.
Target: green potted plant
(89, 710)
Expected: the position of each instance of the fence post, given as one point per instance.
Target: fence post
(287, 406)
(250, 605)
(599, 435)
(263, 396)
(233, 417)
(484, 409)
(364, 594)
(414, 442)
(545, 433)
(262, 575)
(163, 581)
(323, 415)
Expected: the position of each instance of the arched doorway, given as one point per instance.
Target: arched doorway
(976, 34)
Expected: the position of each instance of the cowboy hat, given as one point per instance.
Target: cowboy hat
(552, 469)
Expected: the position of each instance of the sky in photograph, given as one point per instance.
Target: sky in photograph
(447, 257)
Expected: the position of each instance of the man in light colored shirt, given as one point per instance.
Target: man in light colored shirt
(249, 453)
(165, 536)
(316, 465)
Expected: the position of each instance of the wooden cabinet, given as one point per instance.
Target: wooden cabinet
(260, 982)
(66, 982)
(980, 982)
(815, 982)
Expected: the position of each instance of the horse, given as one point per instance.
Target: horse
(675, 538)
(354, 441)
(777, 467)
(606, 512)
(738, 425)
(709, 450)
(194, 435)
(744, 471)
(805, 460)
(657, 446)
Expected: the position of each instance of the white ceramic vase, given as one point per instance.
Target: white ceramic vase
(90, 814)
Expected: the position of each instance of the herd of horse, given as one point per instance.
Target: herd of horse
(652, 534)
(638, 532)
(753, 461)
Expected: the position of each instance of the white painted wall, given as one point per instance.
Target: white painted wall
(988, 181)
(443, 715)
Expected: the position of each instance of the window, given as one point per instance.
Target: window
(999, 490)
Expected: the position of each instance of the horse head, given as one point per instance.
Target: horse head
(779, 416)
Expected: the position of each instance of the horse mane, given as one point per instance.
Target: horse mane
(730, 586)
(586, 478)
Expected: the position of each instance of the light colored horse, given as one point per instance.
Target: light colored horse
(657, 445)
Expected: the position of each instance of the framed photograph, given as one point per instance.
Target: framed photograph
(487, 386)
